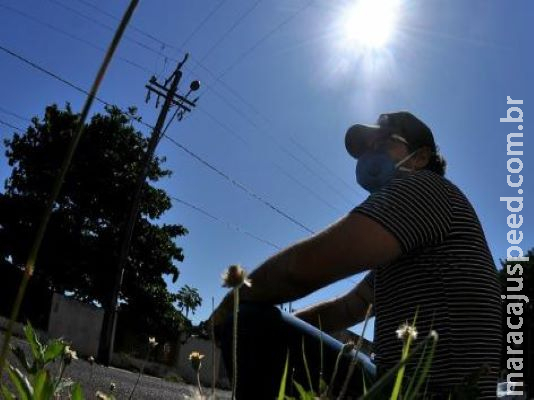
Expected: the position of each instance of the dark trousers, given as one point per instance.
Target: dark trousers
(266, 336)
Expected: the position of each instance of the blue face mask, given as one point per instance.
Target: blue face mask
(376, 168)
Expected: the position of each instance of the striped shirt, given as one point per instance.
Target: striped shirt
(445, 273)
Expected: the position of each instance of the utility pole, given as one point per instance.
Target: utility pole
(183, 105)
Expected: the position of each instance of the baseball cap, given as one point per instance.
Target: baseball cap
(400, 124)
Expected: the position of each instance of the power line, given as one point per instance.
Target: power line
(70, 35)
(236, 23)
(263, 39)
(131, 26)
(105, 26)
(10, 126)
(202, 23)
(176, 143)
(162, 43)
(181, 47)
(152, 37)
(316, 159)
(181, 201)
(230, 131)
(15, 115)
(239, 185)
(49, 73)
(211, 89)
(91, 44)
(276, 165)
(226, 223)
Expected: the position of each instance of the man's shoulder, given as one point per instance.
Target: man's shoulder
(427, 176)
(422, 180)
(426, 179)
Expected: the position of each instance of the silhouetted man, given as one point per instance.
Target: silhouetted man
(427, 254)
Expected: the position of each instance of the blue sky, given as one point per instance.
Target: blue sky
(281, 83)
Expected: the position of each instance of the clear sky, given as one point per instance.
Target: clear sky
(282, 80)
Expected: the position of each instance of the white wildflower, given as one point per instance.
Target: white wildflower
(406, 331)
(69, 355)
(195, 357)
(235, 277)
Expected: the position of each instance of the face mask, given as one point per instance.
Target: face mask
(376, 168)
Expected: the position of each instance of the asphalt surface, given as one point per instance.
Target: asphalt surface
(148, 388)
(96, 377)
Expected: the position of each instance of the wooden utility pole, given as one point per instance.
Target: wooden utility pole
(172, 98)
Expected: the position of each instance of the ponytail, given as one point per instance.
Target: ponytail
(437, 163)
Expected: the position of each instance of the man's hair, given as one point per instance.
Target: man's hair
(437, 163)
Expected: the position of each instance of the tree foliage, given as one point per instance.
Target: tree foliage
(80, 248)
(189, 299)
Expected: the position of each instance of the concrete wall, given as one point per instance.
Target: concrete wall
(206, 371)
(76, 322)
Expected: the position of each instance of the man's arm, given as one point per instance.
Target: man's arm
(351, 245)
(341, 312)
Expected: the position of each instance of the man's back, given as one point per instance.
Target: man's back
(446, 275)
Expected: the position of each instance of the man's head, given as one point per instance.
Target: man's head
(404, 137)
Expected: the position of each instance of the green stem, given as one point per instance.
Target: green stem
(405, 351)
(62, 367)
(354, 360)
(30, 263)
(306, 368)
(198, 383)
(140, 373)
(333, 378)
(380, 384)
(400, 374)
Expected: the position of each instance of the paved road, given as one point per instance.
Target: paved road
(149, 388)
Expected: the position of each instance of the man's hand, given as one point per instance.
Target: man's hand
(341, 312)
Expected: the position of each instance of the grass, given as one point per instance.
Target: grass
(35, 379)
(403, 389)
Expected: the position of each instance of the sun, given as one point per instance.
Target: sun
(369, 23)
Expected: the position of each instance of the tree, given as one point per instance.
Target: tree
(189, 299)
(79, 251)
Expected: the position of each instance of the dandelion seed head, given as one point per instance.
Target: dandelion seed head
(406, 331)
(235, 277)
(195, 357)
(69, 354)
(348, 347)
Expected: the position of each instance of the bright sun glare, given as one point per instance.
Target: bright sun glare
(370, 23)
